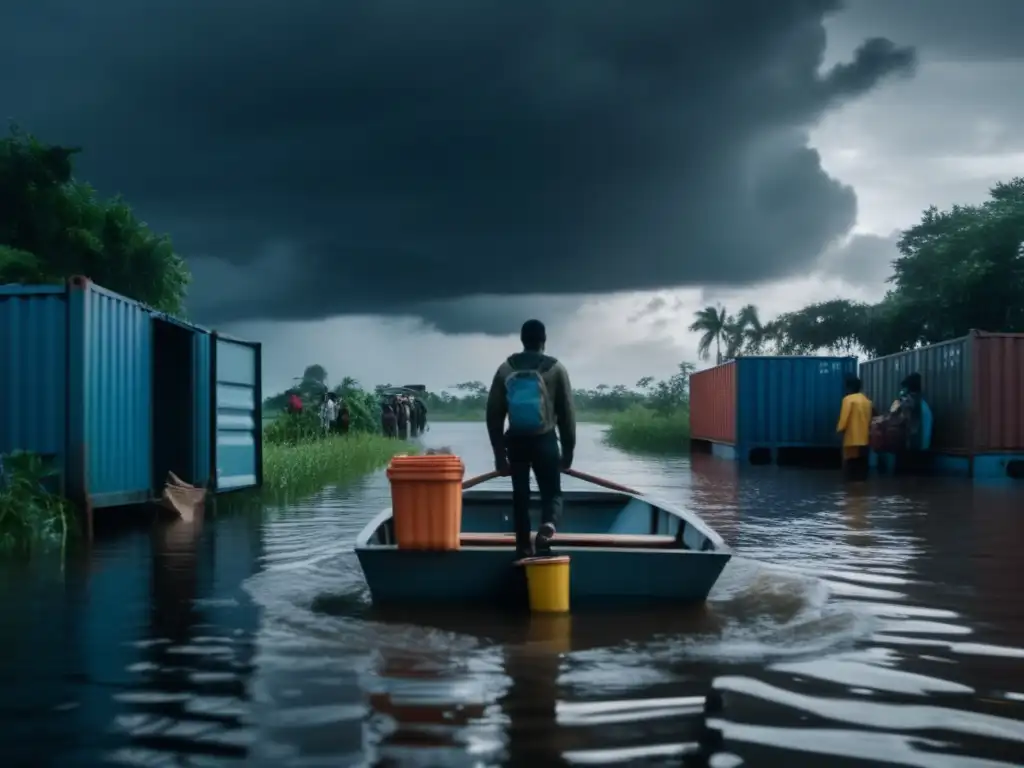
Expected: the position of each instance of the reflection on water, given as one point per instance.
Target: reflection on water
(868, 624)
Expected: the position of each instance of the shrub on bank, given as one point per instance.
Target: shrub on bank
(293, 428)
(644, 430)
(31, 517)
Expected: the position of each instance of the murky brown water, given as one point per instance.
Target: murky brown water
(881, 625)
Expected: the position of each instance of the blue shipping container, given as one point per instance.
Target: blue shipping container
(110, 348)
(789, 402)
(33, 370)
(119, 395)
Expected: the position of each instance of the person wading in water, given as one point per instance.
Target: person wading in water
(533, 391)
(855, 426)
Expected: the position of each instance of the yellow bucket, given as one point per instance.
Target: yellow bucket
(547, 579)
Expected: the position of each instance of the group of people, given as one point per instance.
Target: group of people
(905, 430)
(335, 416)
(403, 416)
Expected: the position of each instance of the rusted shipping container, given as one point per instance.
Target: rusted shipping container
(944, 370)
(713, 404)
(998, 392)
(769, 402)
(974, 386)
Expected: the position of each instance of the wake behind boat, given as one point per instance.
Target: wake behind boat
(624, 547)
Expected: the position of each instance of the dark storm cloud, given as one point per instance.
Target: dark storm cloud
(396, 154)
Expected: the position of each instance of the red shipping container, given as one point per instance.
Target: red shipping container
(998, 392)
(713, 404)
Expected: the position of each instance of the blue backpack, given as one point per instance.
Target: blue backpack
(527, 396)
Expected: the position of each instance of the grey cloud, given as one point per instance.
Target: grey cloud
(865, 260)
(386, 156)
(494, 315)
(652, 307)
(985, 30)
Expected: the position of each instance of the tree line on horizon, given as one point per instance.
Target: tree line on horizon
(957, 270)
(468, 399)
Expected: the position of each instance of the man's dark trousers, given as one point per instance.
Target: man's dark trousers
(540, 453)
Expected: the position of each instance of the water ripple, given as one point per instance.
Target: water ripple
(876, 624)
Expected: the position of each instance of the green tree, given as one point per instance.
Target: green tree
(958, 270)
(672, 393)
(837, 326)
(713, 324)
(315, 372)
(53, 226)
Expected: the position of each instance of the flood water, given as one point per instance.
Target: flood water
(872, 625)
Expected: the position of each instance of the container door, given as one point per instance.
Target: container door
(236, 433)
(201, 412)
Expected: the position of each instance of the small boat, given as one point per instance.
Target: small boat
(624, 548)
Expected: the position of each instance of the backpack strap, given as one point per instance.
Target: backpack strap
(546, 364)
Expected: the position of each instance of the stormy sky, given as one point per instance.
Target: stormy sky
(390, 187)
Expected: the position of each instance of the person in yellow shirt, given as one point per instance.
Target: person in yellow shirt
(855, 424)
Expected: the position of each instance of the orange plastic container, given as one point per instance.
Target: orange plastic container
(426, 501)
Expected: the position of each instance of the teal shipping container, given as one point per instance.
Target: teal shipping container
(769, 403)
(118, 395)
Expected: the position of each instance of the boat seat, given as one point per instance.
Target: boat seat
(619, 540)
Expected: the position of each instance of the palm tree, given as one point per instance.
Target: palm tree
(734, 334)
(755, 333)
(711, 323)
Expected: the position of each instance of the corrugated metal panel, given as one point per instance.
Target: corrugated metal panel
(33, 370)
(239, 431)
(790, 401)
(201, 403)
(713, 404)
(998, 384)
(945, 383)
(117, 397)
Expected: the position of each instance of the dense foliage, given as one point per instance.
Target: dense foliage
(32, 515)
(53, 226)
(280, 427)
(653, 415)
(958, 270)
(468, 401)
(299, 458)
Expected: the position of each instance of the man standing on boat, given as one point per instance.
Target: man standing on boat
(533, 390)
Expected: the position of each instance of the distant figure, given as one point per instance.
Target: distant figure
(294, 402)
(533, 391)
(388, 418)
(421, 415)
(329, 412)
(402, 412)
(911, 413)
(855, 426)
(344, 418)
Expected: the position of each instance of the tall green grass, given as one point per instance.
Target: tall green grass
(643, 430)
(299, 459)
(31, 516)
